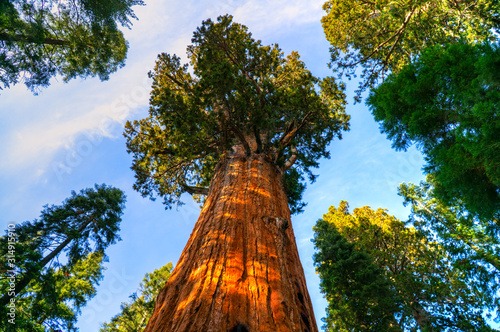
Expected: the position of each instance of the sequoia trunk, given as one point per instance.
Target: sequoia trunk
(240, 270)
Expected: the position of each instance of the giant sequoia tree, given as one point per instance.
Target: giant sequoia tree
(243, 127)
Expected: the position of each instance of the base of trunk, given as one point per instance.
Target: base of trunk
(240, 270)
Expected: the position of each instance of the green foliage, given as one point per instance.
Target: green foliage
(473, 243)
(447, 103)
(135, 315)
(382, 36)
(380, 275)
(53, 300)
(238, 92)
(360, 297)
(49, 293)
(41, 39)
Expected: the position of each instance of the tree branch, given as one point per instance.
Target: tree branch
(293, 158)
(241, 138)
(32, 39)
(292, 130)
(396, 35)
(192, 190)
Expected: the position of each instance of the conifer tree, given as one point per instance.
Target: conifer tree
(135, 315)
(46, 290)
(379, 274)
(382, 36)
(242, 126)
(446, 103)
(41, 39)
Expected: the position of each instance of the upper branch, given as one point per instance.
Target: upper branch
(292, 130)
(33, 39)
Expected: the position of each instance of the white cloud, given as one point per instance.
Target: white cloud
(37, 127)
(277, 15)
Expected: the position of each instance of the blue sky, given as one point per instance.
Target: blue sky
(69, 137)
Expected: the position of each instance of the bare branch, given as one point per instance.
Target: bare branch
(293, 158)
(192, 190)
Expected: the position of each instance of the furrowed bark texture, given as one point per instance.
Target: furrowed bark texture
(240, 270)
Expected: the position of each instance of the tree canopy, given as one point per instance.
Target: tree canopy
(41, 39)
(50, 290)
(379, 274)
(236, 92)
(135, 315)
(473, 242)
(382, 36)
(446, 103)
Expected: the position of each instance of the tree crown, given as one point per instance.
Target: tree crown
(446, 103)
(383, 36)
(236, 93)
(41, 39)
(379, 274)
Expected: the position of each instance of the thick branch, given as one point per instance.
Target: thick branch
(293, 158)
(32, 39)
(192, 190)
(242, 139)
(292, 131)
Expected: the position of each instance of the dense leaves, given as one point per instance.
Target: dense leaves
(360, 297)
(474, 243)
(382, 36)
(49, 289)
(447, 103)
(134, 315)
(237, 92)
(41, 39)
(380, 275)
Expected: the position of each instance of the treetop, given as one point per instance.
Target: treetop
(234, 91)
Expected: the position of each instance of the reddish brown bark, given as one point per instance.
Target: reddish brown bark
(240, 270)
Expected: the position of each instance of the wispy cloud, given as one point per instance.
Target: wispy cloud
(43, 125)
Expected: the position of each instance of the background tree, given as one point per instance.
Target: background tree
(48, 293)
(383, 36)
(446, 102)
(135, 314)
(53, 300)
(403, 265)
(41, 39)
(359, 295)
(474, 243)
(247, 122)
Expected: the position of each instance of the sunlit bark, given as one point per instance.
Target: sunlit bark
(240, 270)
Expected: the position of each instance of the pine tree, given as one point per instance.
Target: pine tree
(242, 126)
(46, 290)
(41, 39)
